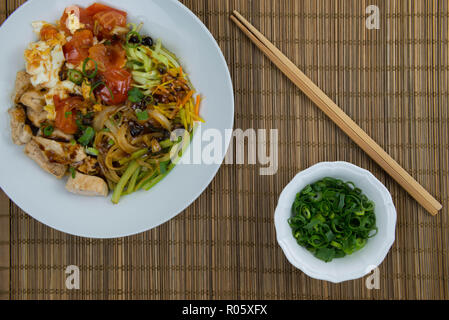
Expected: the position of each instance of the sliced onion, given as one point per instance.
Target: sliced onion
(101, 117)
(119, 30)
(123, 142)
(159, 117)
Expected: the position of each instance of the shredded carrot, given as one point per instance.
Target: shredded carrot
(197, 118)
(197, 105)
(186, 98)
(180, 71)
(161, 86)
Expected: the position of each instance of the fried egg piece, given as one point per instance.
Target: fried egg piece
(43, 63)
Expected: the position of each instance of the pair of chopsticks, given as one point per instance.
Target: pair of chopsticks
(341, 119)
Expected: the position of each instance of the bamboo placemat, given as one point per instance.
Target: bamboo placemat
(394, 82)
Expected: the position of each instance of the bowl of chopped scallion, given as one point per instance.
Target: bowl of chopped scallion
(335, 221)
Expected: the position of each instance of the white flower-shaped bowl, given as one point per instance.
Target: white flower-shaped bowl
(352, 266)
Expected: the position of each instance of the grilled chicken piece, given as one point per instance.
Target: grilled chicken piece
(23, 83)
(34, 100)
(57, 135)
(87, 185)
(34, 151)
(36, 118)
(62, 153)
(20, 132)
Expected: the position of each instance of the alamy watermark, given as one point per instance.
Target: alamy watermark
(73, 279)
(373, 280)
(209, 147)
(373, 20)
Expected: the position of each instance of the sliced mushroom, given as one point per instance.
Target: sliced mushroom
(20, 132)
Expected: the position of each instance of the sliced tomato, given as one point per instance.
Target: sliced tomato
(48, 32)
(65, 113)
(110, 19)
(108, 56)
(77, 49)
(83, 38)
(98, 7)
(86, 19)
(119, 82)
(98, 53)
(74, 55)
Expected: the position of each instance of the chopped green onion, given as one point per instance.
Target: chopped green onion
(332, 218)
(92, 151)
(48, 130)
(72, 172)
(129, 36)
(75, 76)
(149, 99)
(95, 86)
(92, 89)
(88, 135)
(68, 114)
(93, 73)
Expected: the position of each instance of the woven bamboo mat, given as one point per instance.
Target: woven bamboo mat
(394, 82)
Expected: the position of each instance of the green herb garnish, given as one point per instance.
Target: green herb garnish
(142, 115)
(332, 219)
(88, 135)
(135, 95)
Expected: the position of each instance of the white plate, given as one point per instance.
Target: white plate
(44, 197)
(357, 264)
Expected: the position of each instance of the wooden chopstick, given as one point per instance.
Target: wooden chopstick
(341, 119)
